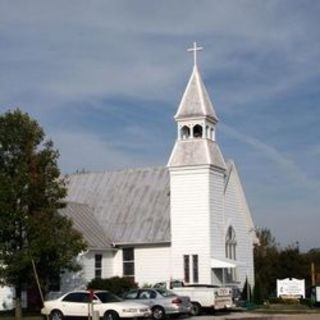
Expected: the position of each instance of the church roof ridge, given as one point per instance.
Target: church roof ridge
(120, 170)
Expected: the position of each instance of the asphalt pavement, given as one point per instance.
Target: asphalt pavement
(259, 316)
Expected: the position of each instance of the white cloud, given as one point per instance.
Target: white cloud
(55, 54)
(287, 165)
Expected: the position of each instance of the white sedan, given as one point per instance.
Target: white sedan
(106, 304)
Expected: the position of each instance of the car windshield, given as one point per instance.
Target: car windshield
(106, 296)
(166, 293)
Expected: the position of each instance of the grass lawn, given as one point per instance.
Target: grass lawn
(286, 309)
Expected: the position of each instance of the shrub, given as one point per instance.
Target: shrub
(307, 302)
(116, 285)
(275, 300)
(280, 300)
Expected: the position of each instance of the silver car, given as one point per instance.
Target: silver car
(161, 301)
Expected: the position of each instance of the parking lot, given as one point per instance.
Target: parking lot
(251, 316)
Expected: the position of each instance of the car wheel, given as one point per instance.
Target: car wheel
(111, 315)
(158, 313)
(195, 309)
(56, 315)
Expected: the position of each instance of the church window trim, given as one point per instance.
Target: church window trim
(191, 268)
(186, 268)
(128, 262)
(195, 268)
(98, 266)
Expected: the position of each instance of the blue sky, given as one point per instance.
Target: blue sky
(104, 79)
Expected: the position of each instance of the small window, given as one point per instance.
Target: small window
(147, 294)
(98, 266)
(197, 131)
(185, 132)
(128, 254)
(231, 244)
(186, 264)
(128, 262)
(166, 293)
(132, 294)
(195, 268)
(79, 297)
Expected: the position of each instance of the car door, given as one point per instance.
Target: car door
(75, 304)
(147, 296)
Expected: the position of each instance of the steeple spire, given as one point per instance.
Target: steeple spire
(195, 101)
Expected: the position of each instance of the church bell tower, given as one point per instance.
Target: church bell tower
(197, 171)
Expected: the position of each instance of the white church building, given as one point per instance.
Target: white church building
(188, 220)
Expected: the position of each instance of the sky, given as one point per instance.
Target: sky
(105, 78)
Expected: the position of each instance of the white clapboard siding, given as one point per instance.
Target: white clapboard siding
(236, 215)
(152, 264)
(190, 220)
(216, 218)
(78, 280)
(118, 264)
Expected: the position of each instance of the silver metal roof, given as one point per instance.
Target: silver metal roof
(132, 206)
(196, 152)
(195, 101)
(85, 222)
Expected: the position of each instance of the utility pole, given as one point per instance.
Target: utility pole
(313, 278)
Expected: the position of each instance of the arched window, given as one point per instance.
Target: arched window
(185, 132)
(197, 131)
(231, 244)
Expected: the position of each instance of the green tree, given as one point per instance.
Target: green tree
(31, 193)
(313, 256)
(292, 263)
(266, 260)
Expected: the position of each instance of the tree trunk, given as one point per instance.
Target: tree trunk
(18, 308)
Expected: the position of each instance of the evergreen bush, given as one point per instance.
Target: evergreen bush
(116, 285)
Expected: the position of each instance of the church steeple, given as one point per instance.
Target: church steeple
(195, 101)
(196, 123)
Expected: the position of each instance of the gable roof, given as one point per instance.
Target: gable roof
(195, 101)
(129, 206)
(132, 206)
(85, 222)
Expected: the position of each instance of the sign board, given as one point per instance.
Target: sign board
(317, 294)
(291, 288)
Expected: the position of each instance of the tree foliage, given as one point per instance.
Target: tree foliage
(273, 262)
(31, 193)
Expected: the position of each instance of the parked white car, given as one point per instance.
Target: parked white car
(106, 304)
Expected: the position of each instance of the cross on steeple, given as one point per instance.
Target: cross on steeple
(194, 49)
